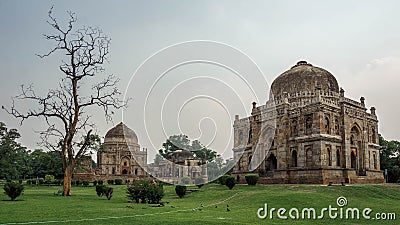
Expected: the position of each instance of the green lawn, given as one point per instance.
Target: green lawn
(38, 204)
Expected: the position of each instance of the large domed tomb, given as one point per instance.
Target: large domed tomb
(320, 136)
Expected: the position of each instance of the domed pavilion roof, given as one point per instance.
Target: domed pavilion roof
(304, 77)
(121, 131)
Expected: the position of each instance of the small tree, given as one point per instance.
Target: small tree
(48, 179)
(118, 181)
(148, 191)
(222, 179)
(13, 190)
(104, 190)
(230, 182)
(251, 179)
(180, 191)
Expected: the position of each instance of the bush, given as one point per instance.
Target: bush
(118, 181)
(146, 191)
(230, 182)
(180, 191)
(100, 190)
(185, 180)
(101, 182)
(110, 181)
(108, 192)
(48, 179)
(20, 181)
(95, 183)
(199, 181)
(85, 183)
(127, 181)
(13, 190)
(29, 182)
(251, 179)
(222, 179)
(104, 190)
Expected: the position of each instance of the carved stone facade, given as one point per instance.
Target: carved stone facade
(121, 154)
(308, 132)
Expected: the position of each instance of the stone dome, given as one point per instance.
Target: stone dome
(304, 77)
(121, 131)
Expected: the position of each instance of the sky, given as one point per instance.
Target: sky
(242, 46)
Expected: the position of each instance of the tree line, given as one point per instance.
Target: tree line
(390, 159)
(17, 162)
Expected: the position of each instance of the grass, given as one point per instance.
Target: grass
(38, 204)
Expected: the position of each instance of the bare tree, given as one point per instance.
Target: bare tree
(64, 109)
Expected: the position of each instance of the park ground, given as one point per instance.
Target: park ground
(39, 205)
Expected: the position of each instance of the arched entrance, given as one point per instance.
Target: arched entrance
(294, 158)
(271, 163)
(353, 159)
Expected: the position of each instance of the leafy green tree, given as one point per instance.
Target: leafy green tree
(13, 190)
(13, 156)
(201, 152)
(181, 141)
(43, 163)
(217, 167)
(173, 143)
(390, 158)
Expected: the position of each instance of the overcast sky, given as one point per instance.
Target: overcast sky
(357, 41)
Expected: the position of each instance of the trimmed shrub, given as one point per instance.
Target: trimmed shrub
(185, 180)
(85, 183)
(199, 181)
(146, 191)
(230, 182)
(110, 181)
(222, 179)
(95, 183)
(180, 191)
(104, 190)
(13, 190)
(48, 179)
(108, 192)
(251, 179)
(100, 190)
(101, 182)
(118, 181)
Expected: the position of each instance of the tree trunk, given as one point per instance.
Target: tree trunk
(67, 180)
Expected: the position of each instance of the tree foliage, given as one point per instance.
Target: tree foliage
(13, 190)
(390, 158)
(45, 163)
(181, 141)
(13, 157)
